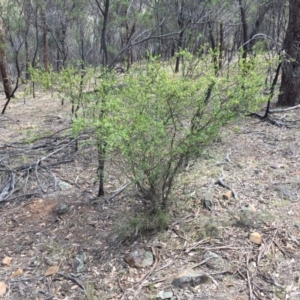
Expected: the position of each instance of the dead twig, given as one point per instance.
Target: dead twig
(265, 250)
(280, 248)
(39, 278)
(221, 183)
(165, 266)
(249, 286)
(221, 247)
(9, 187)
(110, 198)
(174, 230)
(72, 279)
(196, 245)
(170, 277)
(141, 281)
(29, 195)
(273, 111)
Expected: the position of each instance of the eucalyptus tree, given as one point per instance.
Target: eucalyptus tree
(3, 63)
(290, 81)
(12, 35)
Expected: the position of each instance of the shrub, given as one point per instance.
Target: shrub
(157, 120)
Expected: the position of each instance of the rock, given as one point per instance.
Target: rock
(255, 238)
(251, 207)
(189, 190)
(189, 278)
(164, 295)
(78, 263)
(215, 261)
(207, 200)
(227, 195)
(139, 258)
(6, 260)
(64, 185)
(61, 208)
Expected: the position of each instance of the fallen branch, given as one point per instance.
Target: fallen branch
(110, 198)
(249, 286)
(29, 195)
(274, 111)
(39, 171)
(72, 279)
(221, 183)
(141, 281)
(9, 187)
(196, 245)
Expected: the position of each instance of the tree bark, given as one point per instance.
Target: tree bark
(3, 64)
(27, 75)
(290, 81)
(45, 42)
(221, 45)
(180, 22)
(103, 31)
(245, 31)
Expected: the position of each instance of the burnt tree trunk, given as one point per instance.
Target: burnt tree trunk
(104, 12)
(290, 81)
(245, 31)
(3, 64)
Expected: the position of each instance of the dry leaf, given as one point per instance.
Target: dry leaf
(6, 260)
(227, 195)
(74, 287)
(52, 270)
(69, 236)
(252, 207)
(3, 287)
(17, 273)
(255, 238)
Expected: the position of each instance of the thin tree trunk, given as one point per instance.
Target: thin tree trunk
(46, 54)
(261, 14)
(245, 31)
(290, 81)
(221, 45)
(3, 64)
(101, 164)
(45, 43)
(129, 34)
(179, 46)
(213, 47)
(103, 31)
(57, 61)
(27, 75)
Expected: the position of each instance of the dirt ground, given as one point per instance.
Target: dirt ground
(259, 161)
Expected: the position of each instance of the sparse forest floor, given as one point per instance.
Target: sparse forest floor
(261, 162)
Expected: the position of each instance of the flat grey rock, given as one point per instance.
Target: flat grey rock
(189, 278)
(139, 258)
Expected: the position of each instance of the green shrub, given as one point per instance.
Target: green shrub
(157, 120)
